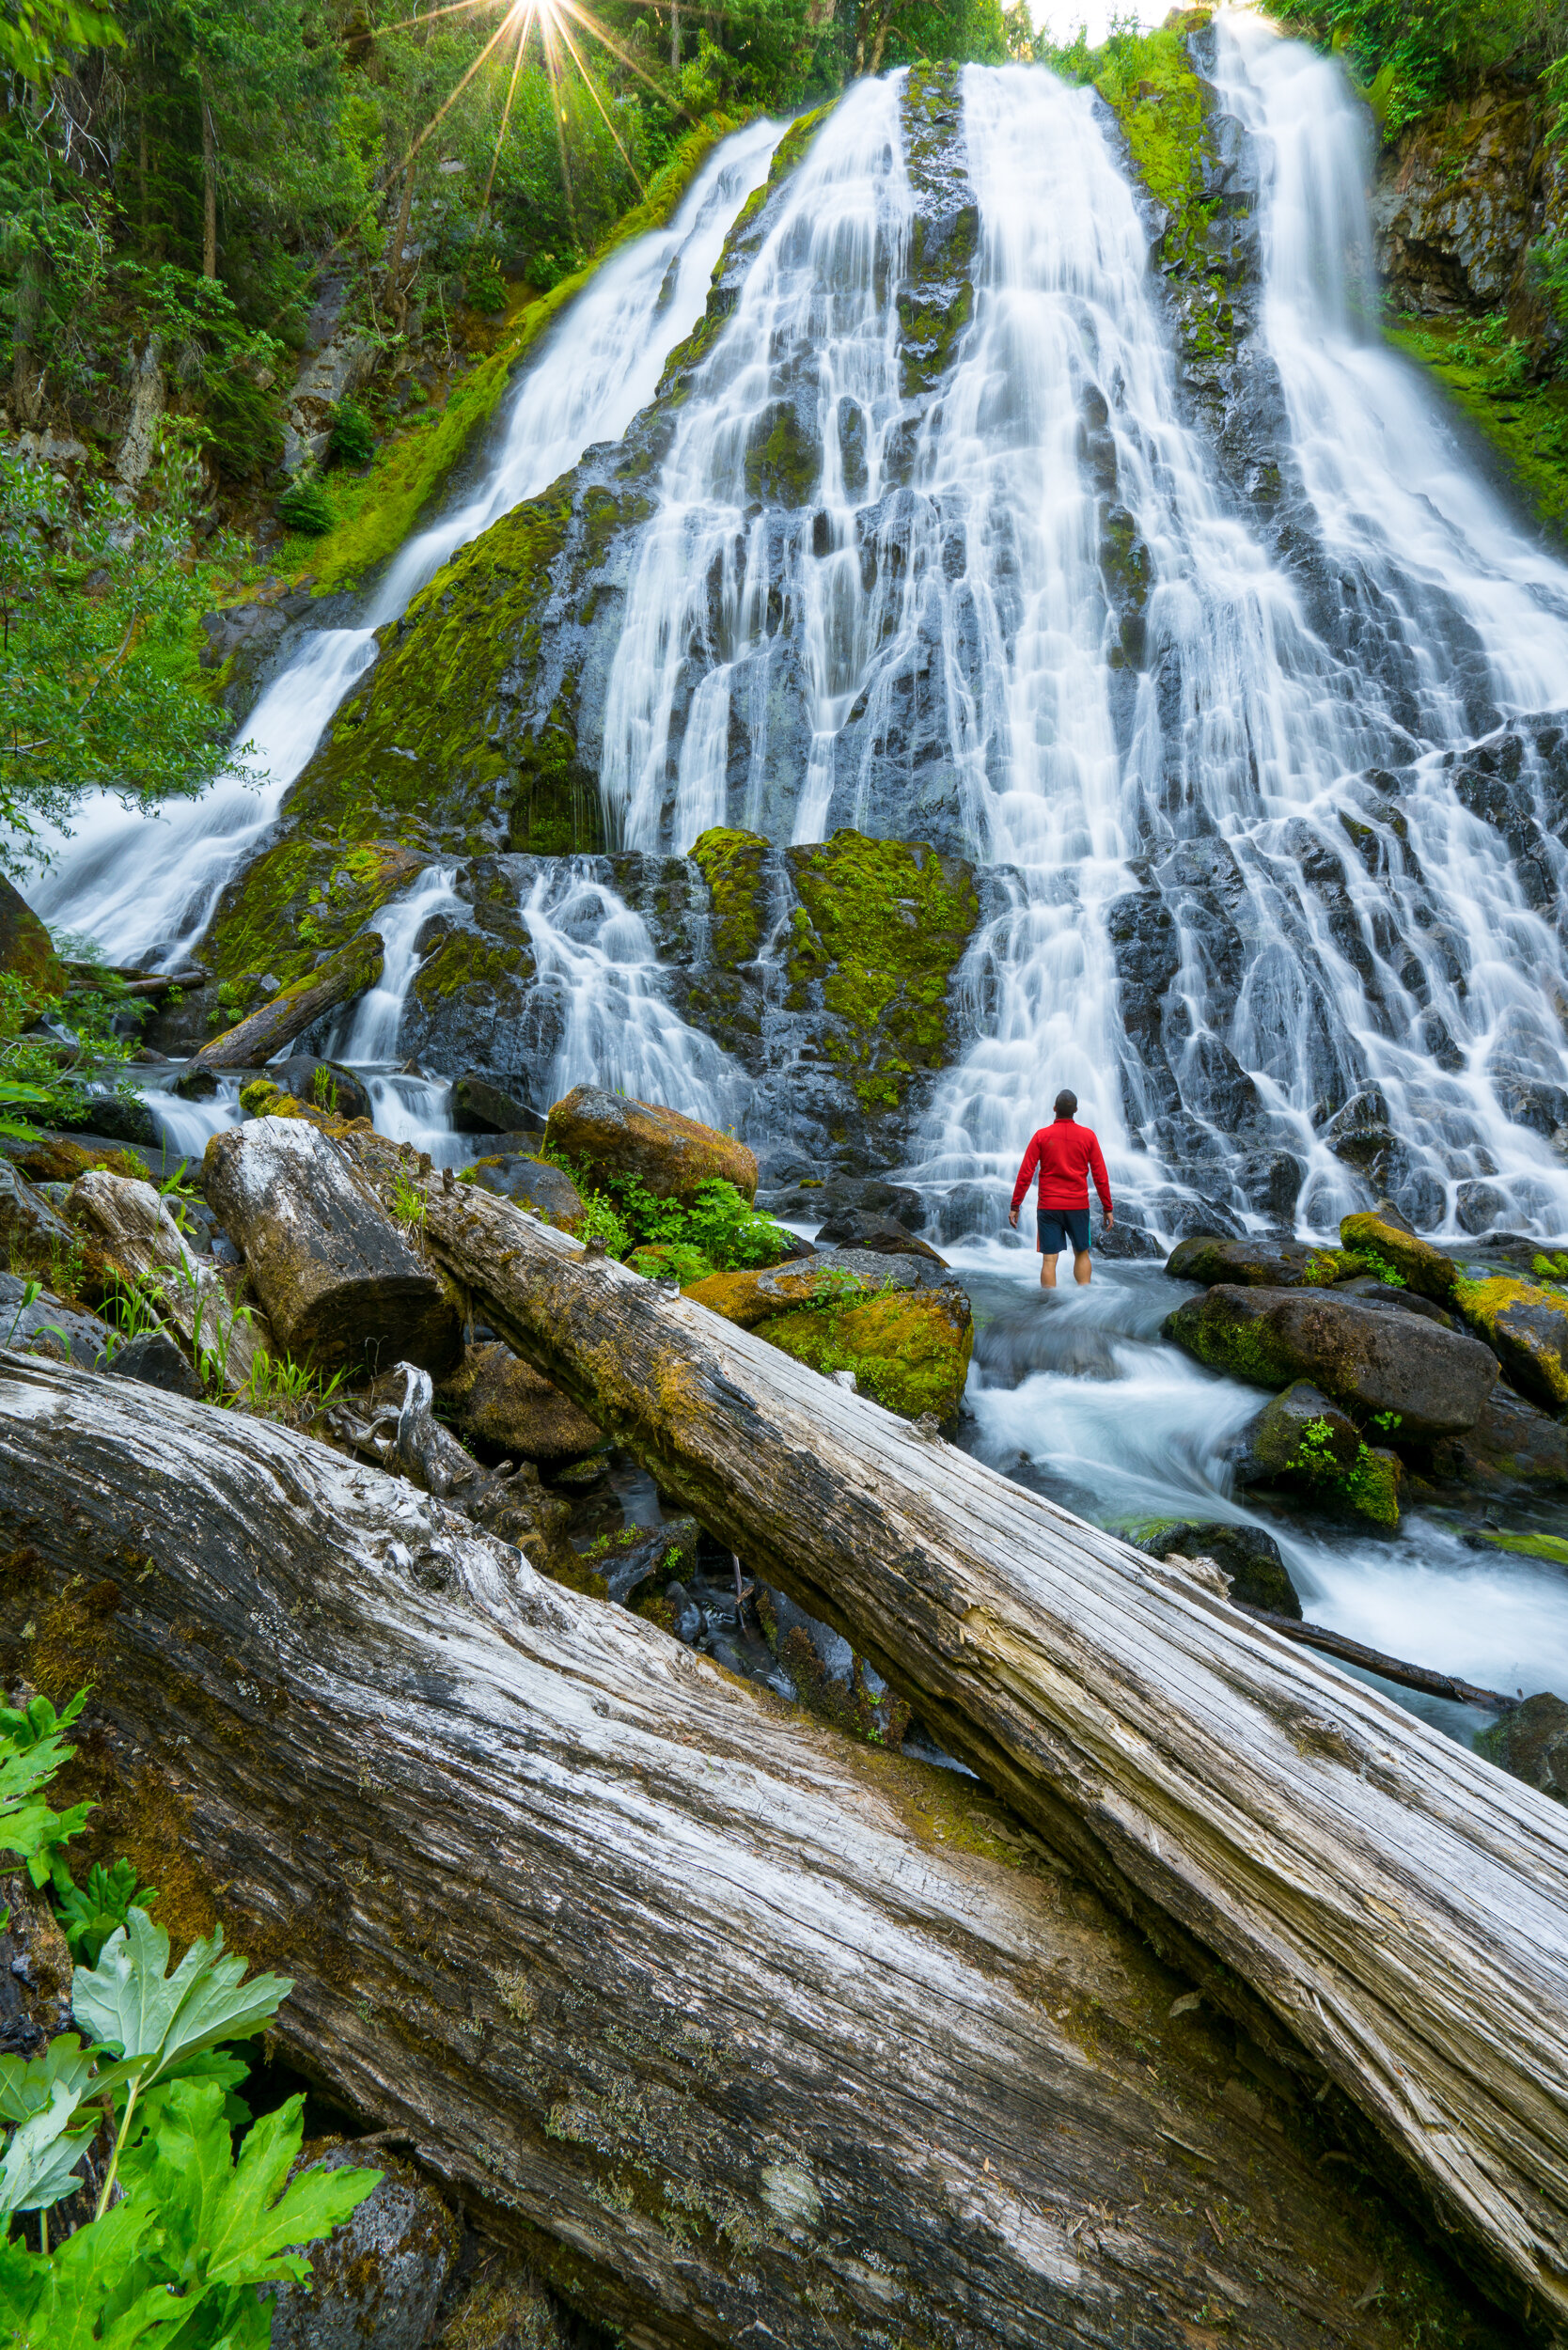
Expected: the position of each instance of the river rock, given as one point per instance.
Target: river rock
(533, 1182)
(1431, 1381)
(1513, 1444)
(480, 1106)
(1531, 1741)
(1423, 1268)
(327, 1084)
(35, 1969)
(900, 1325)
(1527, 1328)
(1366, 1289)
(1303, 1440)
(499, 1401)
(883, 1234)
(49, 1326)
(1250, 1561)
(619, 1565)
(30, 1226)
(376, 2281)
(1272, 1264)
(120, 1118)
(157, 1362)
(671, 1154)
(26, 950)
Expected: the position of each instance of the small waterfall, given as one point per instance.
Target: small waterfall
(783, 439)
(145, 887)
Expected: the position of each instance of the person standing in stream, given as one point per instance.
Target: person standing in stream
(1066, 1155)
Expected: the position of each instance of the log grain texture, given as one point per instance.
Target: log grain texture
(748, 2035)
(138, 1233)
(1398, 1905)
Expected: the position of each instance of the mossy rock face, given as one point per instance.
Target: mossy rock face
(732, 864)
(1531, 1742)
(507, 1405)
(936, 296)
(302, 897)
(905, 1331)
(27, 951)
(1421, 1267)
(1526, 1327)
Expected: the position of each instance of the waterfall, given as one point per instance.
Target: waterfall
(144, 887)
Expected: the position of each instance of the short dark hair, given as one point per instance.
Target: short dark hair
(1066, 1103)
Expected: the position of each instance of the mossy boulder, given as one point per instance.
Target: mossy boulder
(297, 901)
(1211, 1258)
(1426, 1270)
(1527, 1328)
(896, 1322)
(495, 1399)
(1531, 1742)
(1302, 1440)
(1249, 1558)
(671, 1154)
(732, 865)
(26, 950)
(1394, 1372)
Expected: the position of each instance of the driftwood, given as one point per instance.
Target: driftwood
(138, 1233)
(1398, 1905)
(265, 1031)
(1432, 1685)
(746, 2033)
(340, 1283)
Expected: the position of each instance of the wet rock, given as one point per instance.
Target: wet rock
(1428, 1382)
(1454, 203)
(860, 1195)
(1368, 1290)
(30, 1225)
(532, 1182)
(377, 2281)
(900, 1325)
(1512, 1445)
(1479, 1207)
(1011, 1345)
(1270, 1180)
(49, 1326)
(327, 1084)
(26, 950)
(1361, 1136)
(495, 1399)
(480, 1106)
(157, 1362)
(1274, 1264)
(671, 1154)
(1127, 1244)
(625, 1561)
(1249, 1558)
(1531, 1742)
(1303, 1441)
(827, 1675)
(1382, 1234)
(883, 1235)
(1527, 1328)
(119, 1116)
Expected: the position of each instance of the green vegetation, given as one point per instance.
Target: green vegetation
(908, 1348)
(719, 1232)
(194, 2223)
(1492, 378)
(1370, 1485)
(1409, 55)
(59, 1046)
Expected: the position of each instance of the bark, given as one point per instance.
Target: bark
(1399, 1905)
(209, 188)
(263, 1032)
(139, 1235)
(744, 2032)
(341, 1284)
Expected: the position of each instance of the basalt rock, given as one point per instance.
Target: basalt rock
(883, 1235)
(532, 1182)
(1303, 1440)
(1424, 1268)
(1513, 1446)
(1531, 1741)
(1247, 1557)
(479, 1106)
(1209, 1258)
(1527, 1328)
(506, 1406)
(1429, 1382)
(326, 1083)
(376, 2281)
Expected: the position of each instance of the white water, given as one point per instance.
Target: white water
(144, 888)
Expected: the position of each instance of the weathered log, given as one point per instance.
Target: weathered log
(744, 2033)
(1422, 1677)
(265, 1031)
(138, 1233)
(340, 1283)
(1400, 1907)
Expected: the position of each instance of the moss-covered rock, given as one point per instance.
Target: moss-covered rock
(1249, 1558)
(936, 294)
(507, 1405)
(731, 863)
(905, 1336)
(1302, 1440)
(300, 899)
(531, 1182)
(1531, 1742)
(27, 951)
(1377, 1244)
(671, 1154)
(1526, 1327)
(1211, 1258)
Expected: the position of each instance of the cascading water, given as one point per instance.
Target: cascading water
(144, 888)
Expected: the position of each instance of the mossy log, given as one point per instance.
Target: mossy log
(741, 2030)
(341, 1284)
(1400, 1907)
(263, 1032)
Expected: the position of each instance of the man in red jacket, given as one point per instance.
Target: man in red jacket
(1066, 1154)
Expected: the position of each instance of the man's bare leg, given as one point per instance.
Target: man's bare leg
(1048, 1272)
(1083, 1265)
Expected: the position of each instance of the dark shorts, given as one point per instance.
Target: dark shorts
(1054, 1222)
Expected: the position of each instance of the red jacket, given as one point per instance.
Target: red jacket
(1066, 1154)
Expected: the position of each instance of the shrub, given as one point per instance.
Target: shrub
(305, 506)
(484, 287)
(353, 436)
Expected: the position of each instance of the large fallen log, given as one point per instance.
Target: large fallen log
(746, 2033)
(1401, 1906)
(138, 1233)
(276, 1023)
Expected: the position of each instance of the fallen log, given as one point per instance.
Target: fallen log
(1422, 1677)
(341, 1284)
(138, 1234)
(1396, 1904)
(265, 1031)
(744, 2032)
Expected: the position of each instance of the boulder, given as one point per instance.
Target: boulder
(26, 950)
(120, 1118)
(480, 1108)
(1531, 1741)
(870, 1228)
(1249, 1559)
(327, 1084)
(30, 1226)
(1411, 1378)
(671, 1154)
(533, 1182)
(1368, 1290)
(1513, 1443)
(1303, 1440)
(896, 1324)
(494, 1400)
(157, 1362)
(1266, 1264)
(1424, 1269)
(377, 2281)
(49, 1326)
(617, 1565)
(1127, 1243)
(1527, 1328)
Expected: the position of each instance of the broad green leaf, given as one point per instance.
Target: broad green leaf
(253, 2233)
(43, 2153)
(157, 2020)
(27, 2084)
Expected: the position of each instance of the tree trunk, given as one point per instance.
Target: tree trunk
(744, 2033)
(27, 370)
(399, 237)
(208, 187)
(139, 1235)
(263, 1032)
(342, 1286)
(675, 38)
(1399, 1906)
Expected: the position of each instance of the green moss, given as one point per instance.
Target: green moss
(731, 864)
(879, 927)
(1526, 1327)
(1550, 1546)
(782, 460)
(937, 294)
(908, 1348)
(301, 897)
(1483, 369)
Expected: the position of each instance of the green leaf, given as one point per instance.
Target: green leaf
(43, 2153)
(27, 2084)
(90, 1913)
(157, 2020)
